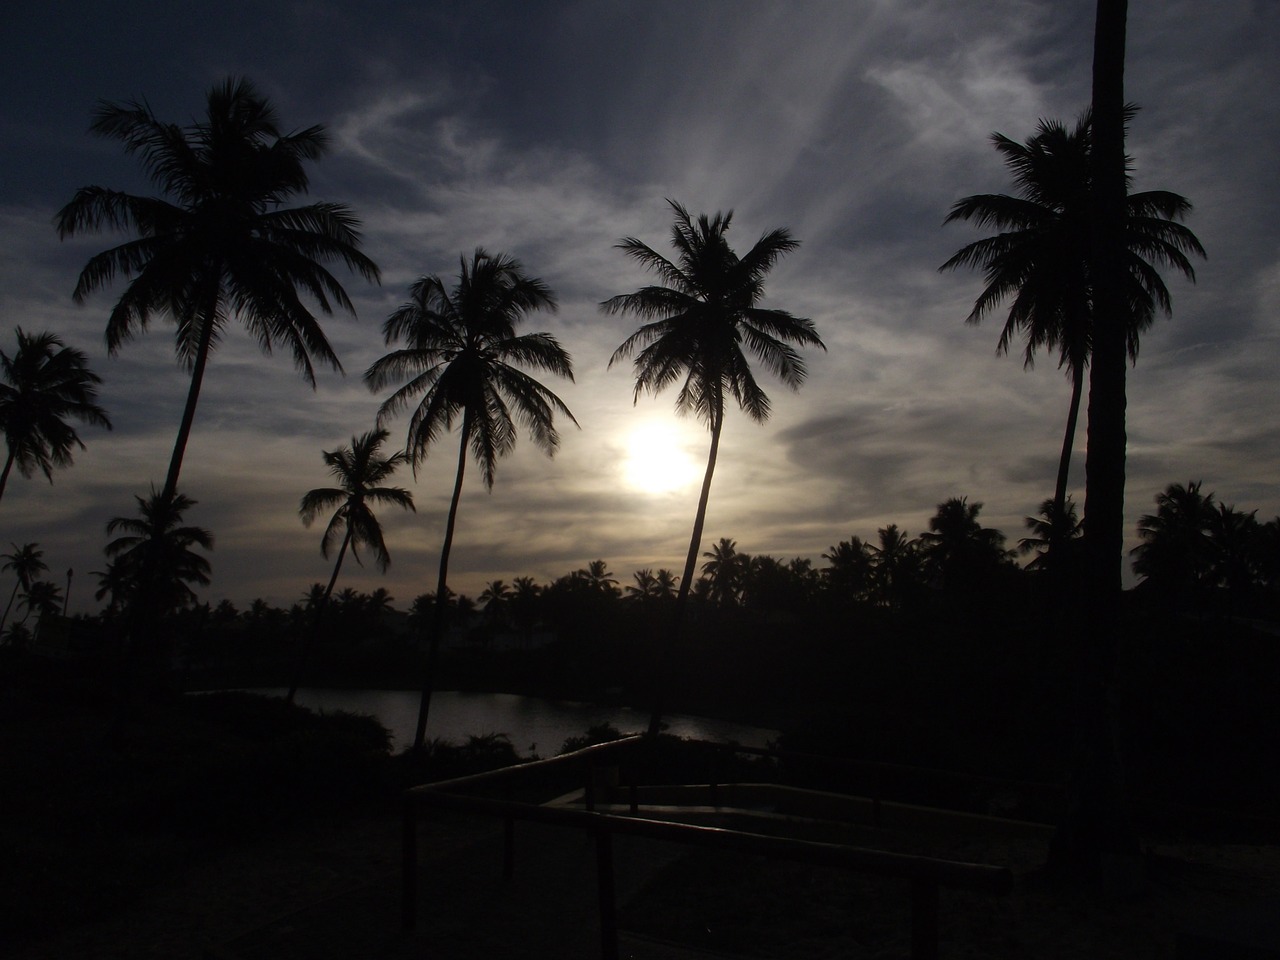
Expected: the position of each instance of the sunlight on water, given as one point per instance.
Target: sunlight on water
(530, 722)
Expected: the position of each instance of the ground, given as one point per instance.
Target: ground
(711, 901)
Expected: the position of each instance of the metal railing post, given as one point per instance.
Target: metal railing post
(608, 902)
(409, 866)
(924, 920)
(508, 848)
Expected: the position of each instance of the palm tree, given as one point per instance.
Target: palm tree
(895, 566)
(461, 363)
(598, 578)
(696, 322)
(155, 545)
(26, 562)
(495, 597)
(960, 552)
(42, 385)
(358, 470)
(219, 242)
(1175, 552)
(850, 573)
(645, 586)
(43, 599)
(1039, 262)
(724, 570)
(1048, 529)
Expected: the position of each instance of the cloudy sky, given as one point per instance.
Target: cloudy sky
(550, 130)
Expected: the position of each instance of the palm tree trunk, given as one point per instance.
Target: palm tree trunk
(1096, 826)
(442, 593)
(672, 638)
(203, 347)
(1068, 442)
(9, 606)
(8, 465)
(305, 651)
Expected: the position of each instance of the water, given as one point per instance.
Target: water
(533, 724)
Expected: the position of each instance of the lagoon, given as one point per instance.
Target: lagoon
(533, 724)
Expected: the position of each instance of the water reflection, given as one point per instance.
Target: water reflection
(533, 724)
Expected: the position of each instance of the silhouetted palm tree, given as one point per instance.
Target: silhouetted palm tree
(697, 321)
(43, 385)
(850, 573)
(1049, 528)
(494, 599)
(598, 578)
(42, 598)
(896, 572)
(359, 470)
(724, 570)
(960, 552)
(156, 544)
(1235, 561)
(1095, 824)
(26, 562)
(1175, 550)
(219, 242)
(461, 363)
(1039, 260)
(643, 589)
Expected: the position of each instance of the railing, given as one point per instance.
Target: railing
(926, 875)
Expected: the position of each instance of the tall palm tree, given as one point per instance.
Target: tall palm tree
(460, 362)
(696, 322)
(219, 242)
(42, 385)
(1039, 261)
(359, 470)
(156, 546)
(26, 562)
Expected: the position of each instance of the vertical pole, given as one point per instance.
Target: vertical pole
(409, 866)
(604, 880)
(924, 920)
(508, 848)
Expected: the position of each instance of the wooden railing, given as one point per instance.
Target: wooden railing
(926, 875)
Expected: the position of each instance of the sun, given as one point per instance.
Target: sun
(656, 461)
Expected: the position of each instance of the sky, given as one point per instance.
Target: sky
(548, 131)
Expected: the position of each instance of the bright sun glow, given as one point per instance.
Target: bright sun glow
(656, 461)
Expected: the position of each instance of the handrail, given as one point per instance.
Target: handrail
(519, 769)
(926, 874)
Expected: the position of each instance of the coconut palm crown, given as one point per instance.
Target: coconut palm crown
(1039, 261)
(43, 384)
(359, 470)
(220, 242)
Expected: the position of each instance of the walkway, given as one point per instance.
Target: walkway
(468, 912)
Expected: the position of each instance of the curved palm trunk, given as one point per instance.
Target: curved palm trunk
(304, 653)
(8, 466)
(144, 614)
(193, 391)
(1096, 825)
(442, 598)
(1068, 441)
(672, 638)
(9, 606)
